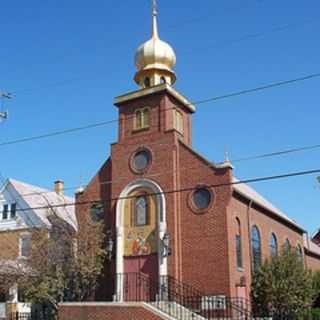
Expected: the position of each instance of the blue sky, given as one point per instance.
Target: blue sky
(67, 60)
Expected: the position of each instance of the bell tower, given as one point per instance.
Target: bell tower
(156, 109)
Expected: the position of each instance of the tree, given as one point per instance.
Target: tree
(316, 289)
(282, 287)
(62, 266)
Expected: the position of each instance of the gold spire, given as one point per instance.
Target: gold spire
(155, 58)
(155, 33)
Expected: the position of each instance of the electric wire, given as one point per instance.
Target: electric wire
(205, 101)
(187, 189)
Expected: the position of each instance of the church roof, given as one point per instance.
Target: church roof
(36, 197)
(248, 192)
(311, 246)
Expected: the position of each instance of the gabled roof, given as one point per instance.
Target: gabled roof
(43, 199)
(248, 192)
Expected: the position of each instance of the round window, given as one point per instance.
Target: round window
(141, 160)
(201, 198)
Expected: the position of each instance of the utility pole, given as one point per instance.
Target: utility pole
(3, 96)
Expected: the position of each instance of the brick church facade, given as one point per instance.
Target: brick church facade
(167, 209)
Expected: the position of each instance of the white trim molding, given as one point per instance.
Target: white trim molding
(161, 224)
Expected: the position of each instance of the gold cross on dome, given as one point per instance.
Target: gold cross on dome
(154, 7)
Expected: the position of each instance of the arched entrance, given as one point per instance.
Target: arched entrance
(140, 225)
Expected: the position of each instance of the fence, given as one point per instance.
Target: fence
(35, 315)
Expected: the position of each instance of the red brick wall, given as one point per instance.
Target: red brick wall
(203, 245)
(99, 188)
(202, 237)
(239, 208)
(312, 261)
(96, 312)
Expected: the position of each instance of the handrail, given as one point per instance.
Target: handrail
(181, 300)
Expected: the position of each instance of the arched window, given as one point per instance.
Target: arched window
(178, 121)
(97, 212)
(141, 211)
(255, 248)
(142, 118)
(238, 244)
(273, 245)
(287, 244)
(163, 80)
(299, 251)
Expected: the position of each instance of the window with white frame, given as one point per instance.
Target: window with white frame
(9, 211)
(5, 212)
(13, 211)
(25, 245)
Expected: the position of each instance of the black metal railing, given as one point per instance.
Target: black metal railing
(179, 300)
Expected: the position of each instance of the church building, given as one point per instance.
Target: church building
(169, 212)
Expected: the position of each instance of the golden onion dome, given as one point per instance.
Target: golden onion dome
(155, 54)
(155, 57)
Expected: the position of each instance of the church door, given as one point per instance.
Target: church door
(141, 266)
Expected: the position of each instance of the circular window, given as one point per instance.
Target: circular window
(141, 160)
(201, 198)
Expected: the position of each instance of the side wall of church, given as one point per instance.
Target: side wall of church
(312, 261)
(249, 217)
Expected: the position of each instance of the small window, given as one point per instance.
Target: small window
(255, 248)
(141, 211)
(5, 211)
(178, 121)
(25, 245)
(141, 160)
(142, 118)
(97, 212)
(273, 245)
(163, 80)
(201, 198)
(299, 251)
(238, 244)
(147, 82)
(13, 211)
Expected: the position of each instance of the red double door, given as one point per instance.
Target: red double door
(141, 278)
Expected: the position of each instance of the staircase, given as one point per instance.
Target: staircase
(181, 301)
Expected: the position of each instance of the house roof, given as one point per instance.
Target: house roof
(248, 192)
(37, 197)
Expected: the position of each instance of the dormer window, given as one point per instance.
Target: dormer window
(142, 118)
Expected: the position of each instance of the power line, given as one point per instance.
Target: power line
(257, 35)
(224, 44)
(277, 153)
(210, 165)
(213, 99)
(219, 185)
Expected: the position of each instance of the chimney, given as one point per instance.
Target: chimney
(58, 187)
